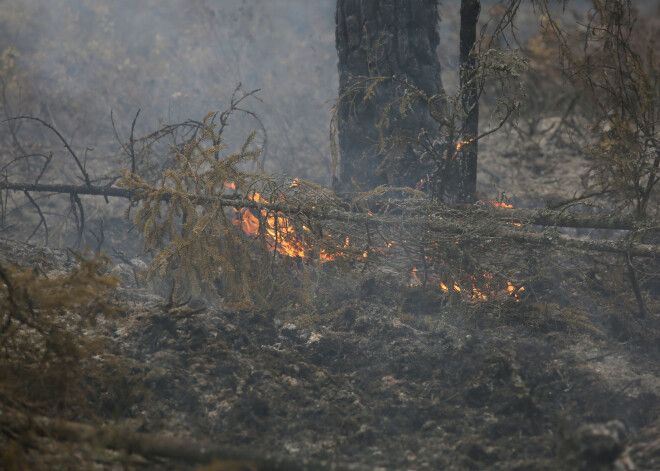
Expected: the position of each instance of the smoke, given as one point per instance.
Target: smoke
(175, 60)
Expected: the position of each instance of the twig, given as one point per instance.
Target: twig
(42, 219)
(64, 141)
(80, 222)
(131, 141)
(641, 314)
(99, 238)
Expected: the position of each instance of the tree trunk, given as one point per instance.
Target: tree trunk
(462, 181)
(384, 38)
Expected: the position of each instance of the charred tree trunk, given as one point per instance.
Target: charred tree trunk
(462, 181)
(384, 38)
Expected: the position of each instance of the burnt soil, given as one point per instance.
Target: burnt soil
(378, 376)
(386, 378)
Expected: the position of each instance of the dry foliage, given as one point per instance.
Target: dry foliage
(195, 243)
(498, 70)
(613, 58)
(43, 327)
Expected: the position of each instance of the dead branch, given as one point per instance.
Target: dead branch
(434, 217)
(160, 445)
(561, 240)
(67, 189)
(81, 167)
(540, 217)
(42, 219)
(547, 217)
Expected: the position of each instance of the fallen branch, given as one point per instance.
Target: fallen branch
(161, 446)
(67, 189)
(547, 217)
(540, 217)
(438, 218)
(561, 240)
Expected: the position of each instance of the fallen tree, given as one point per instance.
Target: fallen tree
(438, 217)
(192, 205)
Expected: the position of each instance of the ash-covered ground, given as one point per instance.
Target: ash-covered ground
(388, 377)
(378, 374)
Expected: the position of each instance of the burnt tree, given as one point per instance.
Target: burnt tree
(384, 38)
(463, 178)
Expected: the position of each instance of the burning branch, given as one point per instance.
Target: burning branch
(201, 234)
(447, 220)
(538, 217)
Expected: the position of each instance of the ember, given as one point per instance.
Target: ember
(458, 146)
(474, 294)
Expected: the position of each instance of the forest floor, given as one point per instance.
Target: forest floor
(379, 374)
(366, 384)
(387, 376)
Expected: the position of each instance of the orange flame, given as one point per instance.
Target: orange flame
(499, 204)
(476, 294)
(462, 143)
(281, 236)
(279, 232)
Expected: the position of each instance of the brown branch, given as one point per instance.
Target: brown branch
(442, 223)
(63, 188)
(561, 240)
(162, 446)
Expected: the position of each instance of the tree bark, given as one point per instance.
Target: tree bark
(384, 38)
(462, 181)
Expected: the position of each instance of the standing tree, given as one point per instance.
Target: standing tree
(466, 172)
(396, 39)
(392, 102)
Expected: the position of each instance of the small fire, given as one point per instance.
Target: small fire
(458, 146)
(279, 231)
(474, 294)
(281, 236)
(500, 204)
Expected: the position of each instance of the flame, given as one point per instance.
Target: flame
(512, 290)
(475, 294)
(462, 143)
(281, 236)
(278, 230)
(500, 204)
(414, 279)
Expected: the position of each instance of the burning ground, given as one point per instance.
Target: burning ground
(387, 376)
